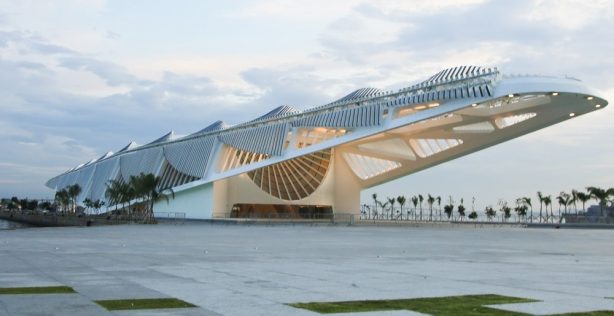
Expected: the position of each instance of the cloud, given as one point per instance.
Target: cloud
(29, 42)
(112, 73)
(524, 34)
(63, 105)
(47, 128)
(294, 85)
(111, 35)
(568, 14)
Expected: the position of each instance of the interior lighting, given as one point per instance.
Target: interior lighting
(589, 98)
(572, 114)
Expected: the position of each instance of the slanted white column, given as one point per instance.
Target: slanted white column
(347, 186)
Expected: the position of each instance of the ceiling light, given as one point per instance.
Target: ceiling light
(420, 107)
(432, 105)
(572, 114)
(555, 93)
(474, 105)
(589, 98)
(597, 105)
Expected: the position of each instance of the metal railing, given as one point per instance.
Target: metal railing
(437, 214)
(172, 217)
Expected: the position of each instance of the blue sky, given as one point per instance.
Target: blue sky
(79, 78)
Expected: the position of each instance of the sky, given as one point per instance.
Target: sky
(79, 78)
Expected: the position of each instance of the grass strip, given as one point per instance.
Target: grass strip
(36, 290)
(449, 305)
(146, 303)
(593, 313)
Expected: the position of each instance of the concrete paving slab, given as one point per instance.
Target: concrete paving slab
(256, 270)
(49, 304)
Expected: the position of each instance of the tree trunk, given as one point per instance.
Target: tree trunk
(531, 214)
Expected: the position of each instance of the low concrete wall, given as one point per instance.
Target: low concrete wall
(55, 220)
(571, 219)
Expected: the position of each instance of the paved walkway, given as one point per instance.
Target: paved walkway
(255, 270)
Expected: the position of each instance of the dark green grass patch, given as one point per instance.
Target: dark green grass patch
(146, 303)
(594, 313)
(36, 290)
(450, 305)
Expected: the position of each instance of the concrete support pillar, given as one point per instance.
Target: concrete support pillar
(347, 187)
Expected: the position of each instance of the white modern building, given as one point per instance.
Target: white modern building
(324, 156)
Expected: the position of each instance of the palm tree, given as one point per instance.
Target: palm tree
(490, 213)
(548, 201)
(583, 197)
(473, 215)
(62, 198)
(383, 206)
(564, 199)
(507, 212)
(97, 205)
(375, 202)
(601, 195)
(574, 199)
(88, 203)
(540, 197)
(414, 201)
(521, 209)
(147, 187)
(73, 192)
(116, 193)
(448, 209)
(12, 206)
(561, 200)
(420, 199)
(391, 201)
(439, 206)
(527, 202)
(430, 200)
(461, 210)
(401, 199)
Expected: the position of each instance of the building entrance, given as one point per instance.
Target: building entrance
(244, 210)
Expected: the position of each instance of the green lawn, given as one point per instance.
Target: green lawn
(450, 305)
(36, 290)
(147, 303)
(594, 313)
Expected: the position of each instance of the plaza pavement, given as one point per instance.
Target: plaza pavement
(255, 270)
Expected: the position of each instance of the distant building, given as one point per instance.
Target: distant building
(318, 160)
(595, 210)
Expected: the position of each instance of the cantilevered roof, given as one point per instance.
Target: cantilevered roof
(457, 98)
(166, 138)
(107, 155)
(130, 146)
(360, 93)
(90, 162)
(215, 126)
(334, 114)
(280, 111)
(458, 73)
